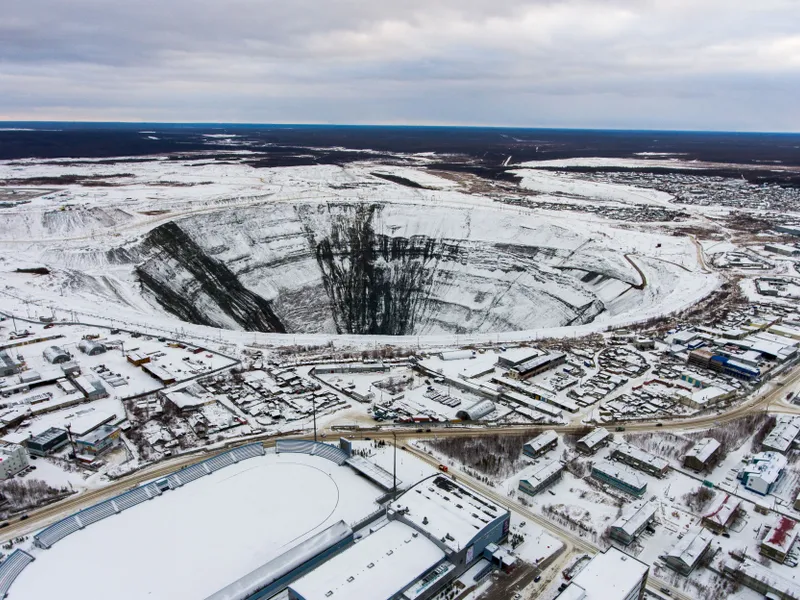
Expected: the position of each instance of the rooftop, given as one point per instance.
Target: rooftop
(47, 436)
(612, 575)
(642, 456)
(595, 437)
(620, 473)
(447, 511)
(544, 473)
(378, 567)
(782, 535)
(98, 434)
(635, 516)
(767, 465)
(783, 434)
(542, 440)
(691, 546)
(703, 449)
(722, 509)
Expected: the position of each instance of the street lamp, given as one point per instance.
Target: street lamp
(394, 468)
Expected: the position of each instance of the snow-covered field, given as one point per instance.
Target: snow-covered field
(193, 541)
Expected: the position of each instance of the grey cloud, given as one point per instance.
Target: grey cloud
(717, 64)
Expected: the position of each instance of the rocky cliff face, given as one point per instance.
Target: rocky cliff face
(370, 268)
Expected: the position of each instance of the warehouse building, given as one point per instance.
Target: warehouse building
(13, 459)
(160, 374)
(620, 477)
(541, 444)
(541, 478)
(687, 553)
(782, 249)
(783, 435)
(8, 366)
(91, 347)
(593, 441)
(91, 387)
(704, 453)
(537, 365)
(722, 513)
(611, 575)
(512, 359)
(633, 521)
(780, 539)
(56, 355)
(477, 411)
(47, 442)
(137, 359)
(641, 460)
(763, 472)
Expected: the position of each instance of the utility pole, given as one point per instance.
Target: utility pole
(394, 468)
(314, 404)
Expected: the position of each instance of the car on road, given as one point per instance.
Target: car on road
(24, 517)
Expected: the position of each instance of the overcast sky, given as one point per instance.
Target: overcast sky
(672, 64)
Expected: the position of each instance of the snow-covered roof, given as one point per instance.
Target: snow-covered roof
(88, 384)
(684, 337)
(612, 575)
(597, 436)
(765, 575)
(270, 572)
(98, 435)
(372, 471)
(782, 535)
(447, 510)
(620, 473)
(635, 516)
(642, 456)
(542, 440)
(703, 449)
(378, 567)
(722, 509)
(89, 421)
(766, 465)
(691, 546)
(477, 411)
(704, 396)
(534, 363)
(186, 398)
(783, 434)
(544, 473)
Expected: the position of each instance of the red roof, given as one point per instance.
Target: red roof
(780, 531)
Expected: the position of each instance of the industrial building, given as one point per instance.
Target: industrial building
(704, 397)
(687, 553)
(381, 566)
(633, 521)
(611, 575)
(505, 361)
(704, 453)
(620, 477)
(722, 512)
(593, 441)
(763, 472)
(8, 366)
(641, 460)
(13, 459)
(783, 435)
(97, 442)
(137, 359)
(541, 478)
(56, 355)
(91, 387)
(537, 365)
(541, 444)
(70, 369)
(423, 543)
(91, 347)
(477, 411)
(782, 249)
(723, 364)
(780, 539)
(47, 442)
(158, 373)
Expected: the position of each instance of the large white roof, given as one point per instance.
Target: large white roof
(634, 516)
(691, 546)
(195, 540)
(612, 575)
(448, 511)
(378, 567)
(783, 434)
